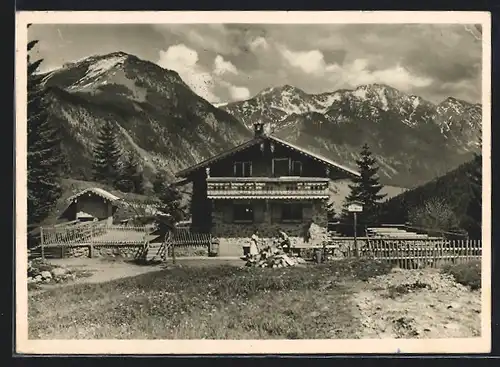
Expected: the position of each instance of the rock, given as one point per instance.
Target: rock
(47, 280)
(59, 272)
(454, 306)
(38, 278)
(46, 275)
(31, 280)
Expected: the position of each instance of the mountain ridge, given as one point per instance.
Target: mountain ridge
(169, 127)
(413, 139)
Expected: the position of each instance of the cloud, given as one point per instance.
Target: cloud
(239, 93)
(184, 60)
(221, 66)
(258, 44)
(310, 62)
(399, 77)
(352, 74)
(207, 83)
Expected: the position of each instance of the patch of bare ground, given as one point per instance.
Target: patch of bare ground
(417, 304)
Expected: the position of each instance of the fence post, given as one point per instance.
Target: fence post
(42, 243)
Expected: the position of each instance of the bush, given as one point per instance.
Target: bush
(468, 274)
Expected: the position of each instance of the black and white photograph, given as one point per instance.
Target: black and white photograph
(309, 182)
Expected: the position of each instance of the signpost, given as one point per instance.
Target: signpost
(354, 208)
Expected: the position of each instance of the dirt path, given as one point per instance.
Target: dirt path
(104, 270)
(417, 304)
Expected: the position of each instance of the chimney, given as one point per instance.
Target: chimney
(258, 128)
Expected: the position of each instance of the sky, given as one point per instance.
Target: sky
(231, 62)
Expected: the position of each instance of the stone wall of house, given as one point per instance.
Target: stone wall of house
(234, 236)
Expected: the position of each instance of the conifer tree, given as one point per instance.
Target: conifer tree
(107, 155)
(158, 182)
(366, 188)
(170, 204)
(45, 157)
(131, 179)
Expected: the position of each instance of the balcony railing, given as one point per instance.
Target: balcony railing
(267, 188)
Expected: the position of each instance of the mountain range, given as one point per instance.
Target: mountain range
(169, 127)
(413, 139)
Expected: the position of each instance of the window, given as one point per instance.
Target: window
(291, 212)
(296, 168)
(281, 167)
(243, 169)
(243, 213)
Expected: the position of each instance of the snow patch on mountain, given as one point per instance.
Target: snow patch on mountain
(98, 69)
(360, 93)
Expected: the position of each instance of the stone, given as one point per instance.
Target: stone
(47, 280)
(59, 272)
(46, 275)
(454, 306)
(31, 280)
(38, 278)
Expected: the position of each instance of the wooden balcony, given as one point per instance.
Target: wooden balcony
(267, 188)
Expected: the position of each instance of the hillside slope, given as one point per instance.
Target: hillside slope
(161, 120)
(454, 189)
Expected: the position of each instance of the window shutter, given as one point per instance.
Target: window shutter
(275, 213)
(307, 211)
(228, 213)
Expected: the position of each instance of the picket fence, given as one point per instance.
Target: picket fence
(412, 253)
(80, 234)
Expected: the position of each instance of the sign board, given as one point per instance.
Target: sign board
(355, 208)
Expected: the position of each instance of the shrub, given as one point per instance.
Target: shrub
(468, 274)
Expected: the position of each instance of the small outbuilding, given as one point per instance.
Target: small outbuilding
(91, 204)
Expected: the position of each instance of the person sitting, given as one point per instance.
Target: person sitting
(284, 241)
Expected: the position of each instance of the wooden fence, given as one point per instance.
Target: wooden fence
(92, 234)
(185, 238)
(411, 253)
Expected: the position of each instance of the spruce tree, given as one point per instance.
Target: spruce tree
(45, 157)
(107, 155)
(131, 179)
(158, 182)
(366, 188)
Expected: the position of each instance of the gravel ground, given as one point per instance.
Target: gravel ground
(418, 304)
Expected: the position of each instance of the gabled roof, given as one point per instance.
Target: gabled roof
(97, 191)
(258, 140)
(314, 156)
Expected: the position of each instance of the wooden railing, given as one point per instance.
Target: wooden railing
(71, 233)
(267, 187)
(410, 252)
